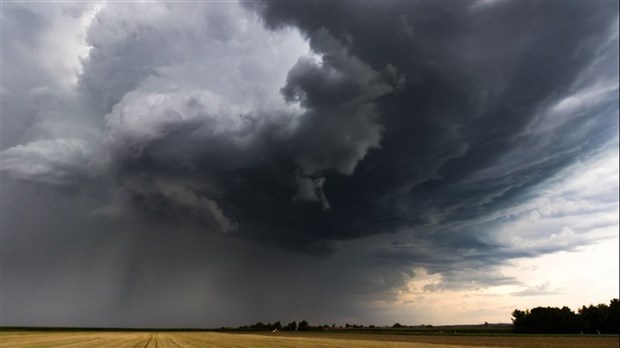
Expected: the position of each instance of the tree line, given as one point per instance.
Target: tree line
(303, 326)
(599, 319)
(292, 326)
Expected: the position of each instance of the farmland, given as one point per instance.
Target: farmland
(163, 339)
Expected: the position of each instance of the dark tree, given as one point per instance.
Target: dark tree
(545, 320)
(259, 326)
(519, 320)
(303, 326)
(592, 319)
(292, 326)
(613, 321)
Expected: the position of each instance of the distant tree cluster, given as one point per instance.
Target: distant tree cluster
(600, 319)
(292, 326)
(305, 326)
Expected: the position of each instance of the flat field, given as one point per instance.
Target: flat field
(174, 339)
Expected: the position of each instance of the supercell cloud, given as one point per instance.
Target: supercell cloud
(272, 161)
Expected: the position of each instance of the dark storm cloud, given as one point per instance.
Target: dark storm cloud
(462, 134)
(396, 121)
(215, 154)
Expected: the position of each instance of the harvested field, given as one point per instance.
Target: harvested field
(542, 341)
(293, 340)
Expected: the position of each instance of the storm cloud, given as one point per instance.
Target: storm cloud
(239, 162)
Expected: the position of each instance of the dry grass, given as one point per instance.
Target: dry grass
(330, 340)
(189, 339)
(542, 341)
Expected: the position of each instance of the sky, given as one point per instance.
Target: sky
(207, 164)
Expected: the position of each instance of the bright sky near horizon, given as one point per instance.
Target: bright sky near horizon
(203, 164)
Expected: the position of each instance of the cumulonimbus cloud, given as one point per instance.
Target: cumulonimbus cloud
(320, 128)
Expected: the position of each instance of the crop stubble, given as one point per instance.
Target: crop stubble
(229, 340)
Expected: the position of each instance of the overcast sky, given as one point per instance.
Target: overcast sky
(202, 164)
